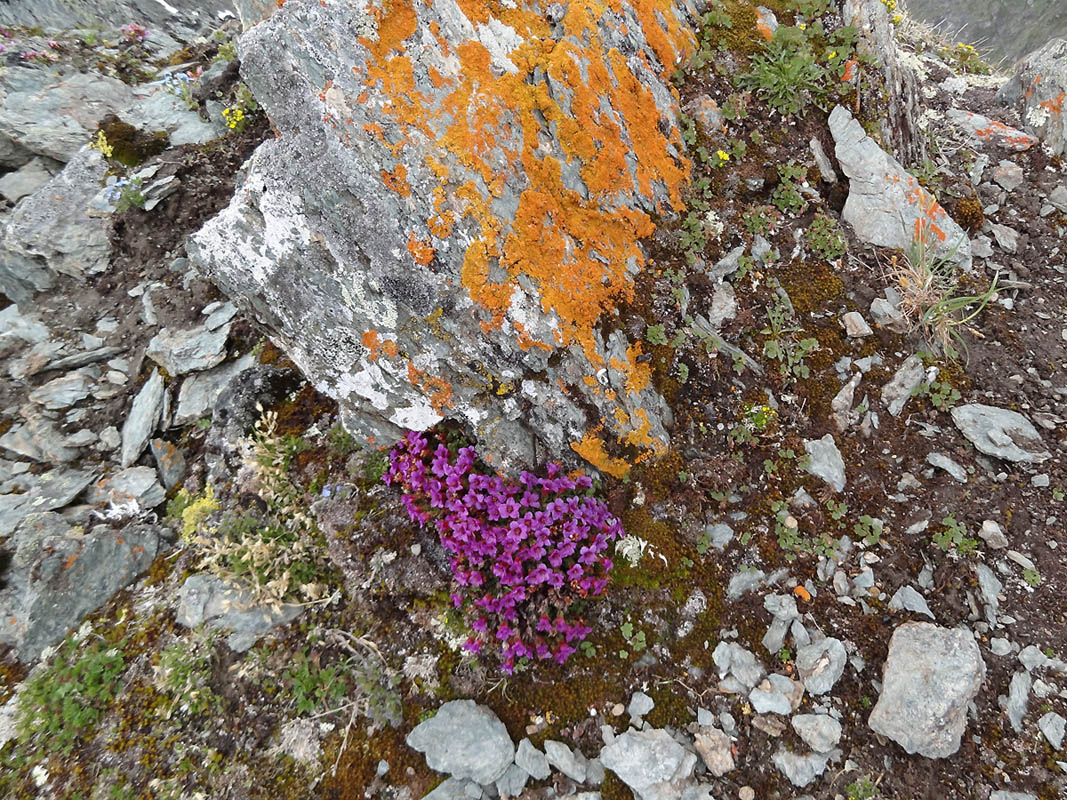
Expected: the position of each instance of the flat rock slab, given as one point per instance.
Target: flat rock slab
(137, 485)
(651, 763)
(930, 676)
(199, 392)
(51, 491)
(207, 600)
(57, 575)
(1000, 432)
(142, 419)
(464, 740)
(886, 206)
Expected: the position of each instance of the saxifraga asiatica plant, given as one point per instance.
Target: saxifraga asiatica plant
(522, 552)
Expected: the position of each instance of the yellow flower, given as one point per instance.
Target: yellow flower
(831, 55)
(803, 26)
(723, 155)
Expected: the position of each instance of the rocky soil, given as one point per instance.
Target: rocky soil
(841, 572)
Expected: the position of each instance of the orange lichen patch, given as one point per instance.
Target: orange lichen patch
(437, 390)
(396, 22)
(526, 341)
(1054, 106)
(591, 448)
(421, 251)
(638, 375)
(397, 180)
(640, 436)
(764, 29)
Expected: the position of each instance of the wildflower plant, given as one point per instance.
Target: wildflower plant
(523, 553)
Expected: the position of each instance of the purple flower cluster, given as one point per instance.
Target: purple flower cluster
(521, 552)
(133, 33)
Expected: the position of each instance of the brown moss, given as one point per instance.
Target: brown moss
(129, 145)
(969, 214)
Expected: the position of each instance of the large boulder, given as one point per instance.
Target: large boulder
(452, 214)
(1037, 90)
(930, 676)
(181, 17)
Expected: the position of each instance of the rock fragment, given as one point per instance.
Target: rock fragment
(1001, 433)
(825, 461)
(142, 419)
(930, 676)
(897, 392)
(821, 665)
(820, 732)
(651, 763)
(464, 740)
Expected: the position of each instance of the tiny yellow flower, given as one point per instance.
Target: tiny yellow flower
(803, 26)
(831, 55)
(723, 155)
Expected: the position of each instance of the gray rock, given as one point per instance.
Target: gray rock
(825, 462)
(651, 763)
(992, 535)
(142, 419)
(57, 120)
(744, 581)
(885, 204)
(199, 391)
(783, 609)
(801, 770)
(532, 760)
(453, 789)
(571, 763)
(58, 574)
(723, 305)
(134, 484)
(170, 462)
(64, 391)
(49, 232)
(769, 700)
(716, 750)
(1003, 794)
(953, 468)
(896, 393)
(706, 112)
(1007, 238)
(885, 313)
(193, 350)
(156, 109)
(1058, 198)
(1000, 646)
(855, 325)
(984, 130)
(1036, 90)
(820, 732)
(990, 587)
(728, 264)
(594, 772)
(930, 676)
(907, 599)
(1053, 726)
(48, 492)
(1001, 433)
(731, 658)
(513, 781)
(821, 664)
(640, 704)
(1009, 175)
(219, 315)
(720, 534)
(1017, 699)
(39, 439)
(822, 161)
(207, 600)
(180, 19)
(27, 179)
(464, 740)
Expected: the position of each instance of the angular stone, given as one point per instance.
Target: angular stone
(983, 129)
(855, 325)
(651, 763)
(941, 461)
(640, 704)
(199, 391)
(897, 392)
(142, 418)
(990, 587)
(716, 750)
(886, 205)
(464, 740)
(26, 180)
(48, 492)
(38, 438)
(193, 350)
(907, 599)
(513, 781)
(1008, 175)
(64, 391)
(132, 485)
(207, 600)
(532, 760)
(1001, 433)
(169, 461)
(801, 770)
(821, 664)
(820, 732)
(1053, 726)
(49, 232)
(732, 659)
(825, 462)
(930, 676)
(1017, 699)
(57, 575)
(571, 763)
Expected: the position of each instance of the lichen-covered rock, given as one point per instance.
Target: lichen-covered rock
(1037, 90)
(886, 206)
(453, 211)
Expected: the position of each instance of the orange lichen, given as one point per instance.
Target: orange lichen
(638, 375)
(591, 448)
(437, 390)
(397, 180)
(422, 252)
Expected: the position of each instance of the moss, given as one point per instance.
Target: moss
(131, 146)
(969, 214)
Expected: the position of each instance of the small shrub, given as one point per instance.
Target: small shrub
(825, 238)
(522, 553)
